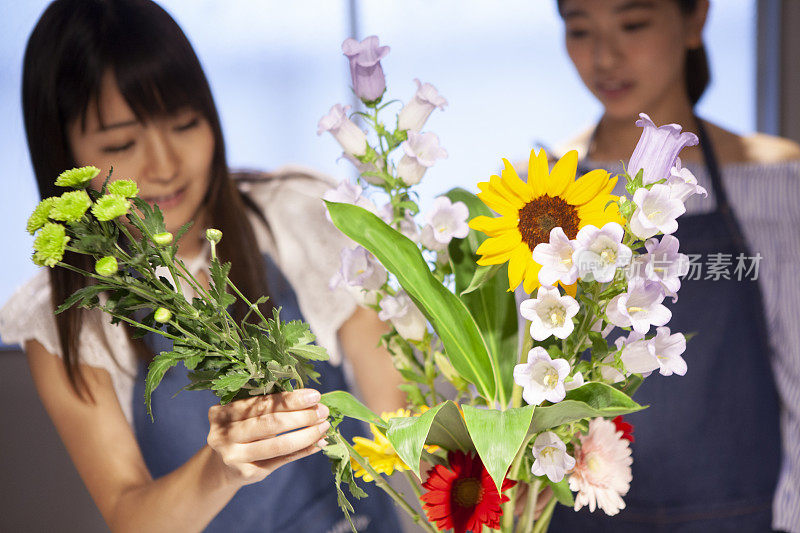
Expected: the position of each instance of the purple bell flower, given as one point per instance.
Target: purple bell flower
(657, 149)
(369, 83)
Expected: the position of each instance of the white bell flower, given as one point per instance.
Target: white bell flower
(409, 321)
(600, 252)
(541, 378)
(352, 139)
(640, 307)
(550, 313)
(656, 211)
(556, 259)
(550, 457)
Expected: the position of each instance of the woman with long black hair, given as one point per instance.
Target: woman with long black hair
(115, 83)
(719, 448)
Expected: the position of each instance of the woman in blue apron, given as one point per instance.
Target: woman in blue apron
(298, 496)
(719, 448)
(116, 84)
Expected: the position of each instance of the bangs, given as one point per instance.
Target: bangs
(153, 62)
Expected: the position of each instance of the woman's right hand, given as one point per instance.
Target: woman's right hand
(253, 437)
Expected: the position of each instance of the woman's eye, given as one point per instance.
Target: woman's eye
(635, 26)
(115, 148)
(577, 33)
(187, 125)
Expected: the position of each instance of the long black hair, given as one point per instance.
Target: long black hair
(697, 71)
(72, 46)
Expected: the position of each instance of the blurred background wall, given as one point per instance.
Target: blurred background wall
(276, 67)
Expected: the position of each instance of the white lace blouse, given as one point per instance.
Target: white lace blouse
(300, 240)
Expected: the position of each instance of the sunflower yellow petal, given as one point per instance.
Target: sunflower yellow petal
(531, 281)
(496, 259)
(563, 173)
(516, 266)
(514, 183)
(538, 172)
(497, 203)
(586, 187)
(506, 192)
(495, 245)
(493, 226)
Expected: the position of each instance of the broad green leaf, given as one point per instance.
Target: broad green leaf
(346, 404)
(441, 425)
(498, 436)
(490, 303)
(561, 491)
(449, 316)
(449, 429)
(408, 436)
(588, 401)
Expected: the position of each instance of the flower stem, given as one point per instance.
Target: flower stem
(528, 519)
(527, 343)
(544, 520)
(383, 484)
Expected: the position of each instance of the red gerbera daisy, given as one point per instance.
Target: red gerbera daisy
(463, 497)
(625, 427)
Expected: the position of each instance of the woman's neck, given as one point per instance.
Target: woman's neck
(616, 137)
(192, 242)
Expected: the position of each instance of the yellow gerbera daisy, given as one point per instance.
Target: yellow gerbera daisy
(528, 211)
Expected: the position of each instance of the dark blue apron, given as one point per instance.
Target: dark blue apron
(299, 496)
(707, 451)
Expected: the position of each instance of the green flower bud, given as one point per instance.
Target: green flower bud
(126, 188)
(162, 315)
(40, 215)
(213, 235)
(106, 266)
(49, 245)
(110, 206)
(77, 177)
(163, 239)
(70, 206)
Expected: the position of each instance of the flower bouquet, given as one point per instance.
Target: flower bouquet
(511, 415)
(535, 392)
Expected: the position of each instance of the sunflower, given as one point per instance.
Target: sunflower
(528, 211)
(379, 452)
(463, 497)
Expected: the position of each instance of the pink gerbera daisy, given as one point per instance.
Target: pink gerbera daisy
(602, 473)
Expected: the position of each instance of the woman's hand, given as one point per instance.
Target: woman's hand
(253, 437)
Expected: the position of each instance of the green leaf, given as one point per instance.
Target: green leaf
(155, 373)
(483, 273)
(561, 491)
(588, 401)
(311, 352)
(83, 295)
(498, 436)
(346, 404)
(408, 436)
(450, 318)
(490, 303)
(441, 425)
(232, 381)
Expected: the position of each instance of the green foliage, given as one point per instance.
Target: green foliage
(486, 297)
(455, 326)
(498, 436)
(346, 404)
(589, 401)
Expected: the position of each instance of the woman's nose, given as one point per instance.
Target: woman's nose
(606, 52)
(162, 162)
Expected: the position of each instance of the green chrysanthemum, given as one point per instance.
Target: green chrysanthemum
(40, 215)
(106, 266)
(70, 206)
(49, 245)
(126, 188)
(110, 206)
(77, 177)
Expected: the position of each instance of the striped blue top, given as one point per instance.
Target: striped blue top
(765, 198)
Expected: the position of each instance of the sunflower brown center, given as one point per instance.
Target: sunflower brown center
(467, 492)
(540, 215)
